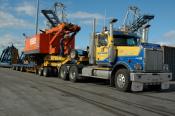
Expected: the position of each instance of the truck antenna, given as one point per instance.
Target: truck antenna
(105, 19)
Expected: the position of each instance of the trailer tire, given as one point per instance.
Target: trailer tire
(122, 82)
(22, 69)
(14, 67)
(73, 74)
(18, 68)
(40, 72)
(46, 71)
(63, 72)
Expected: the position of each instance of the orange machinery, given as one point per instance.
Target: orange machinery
(57, 40)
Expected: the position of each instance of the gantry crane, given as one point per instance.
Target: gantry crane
(136, 22)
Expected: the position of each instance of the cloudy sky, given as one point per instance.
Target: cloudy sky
(18, 16)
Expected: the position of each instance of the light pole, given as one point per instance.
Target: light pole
(37, 13)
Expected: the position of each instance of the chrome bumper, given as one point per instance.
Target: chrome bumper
(139, 79)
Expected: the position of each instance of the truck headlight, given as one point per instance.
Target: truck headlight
(165, 67)
(138, 67)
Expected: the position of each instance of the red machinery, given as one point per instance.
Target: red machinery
(53, 41)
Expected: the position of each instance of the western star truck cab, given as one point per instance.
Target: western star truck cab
(133, 63)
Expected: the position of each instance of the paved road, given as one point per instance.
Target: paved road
(26, 94)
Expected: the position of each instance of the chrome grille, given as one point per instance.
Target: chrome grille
(153, 60)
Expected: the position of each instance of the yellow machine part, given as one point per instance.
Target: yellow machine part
(55, 61)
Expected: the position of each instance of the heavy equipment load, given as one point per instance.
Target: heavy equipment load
(9, 56)
(50, 45)
(57, 40)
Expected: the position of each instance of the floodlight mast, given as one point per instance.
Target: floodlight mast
(37, 14)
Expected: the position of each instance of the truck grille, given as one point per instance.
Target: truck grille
(153, 60)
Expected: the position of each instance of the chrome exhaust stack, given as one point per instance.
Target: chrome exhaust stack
(92, 49)
(145, 32)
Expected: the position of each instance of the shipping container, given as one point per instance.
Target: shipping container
(169, 58)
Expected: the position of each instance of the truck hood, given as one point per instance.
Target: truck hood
(150, 45)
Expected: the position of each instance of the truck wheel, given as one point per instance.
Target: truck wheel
(40, 72)
(46, 71)
(122, 82)
(73, 74)
(63, 72)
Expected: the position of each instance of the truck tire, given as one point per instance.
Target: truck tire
(73, 74)
(46, 71)
(40, 72)
(122, 82)
(63, 72)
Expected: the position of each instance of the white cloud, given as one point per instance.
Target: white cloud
(170, 35)
(8, 20)
(8, 40)
(85, 15)
(26, 8)
(89, 22)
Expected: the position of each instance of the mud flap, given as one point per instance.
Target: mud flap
(165, 85)
(137, 86)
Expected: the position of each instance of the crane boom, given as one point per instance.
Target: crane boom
(139, 22)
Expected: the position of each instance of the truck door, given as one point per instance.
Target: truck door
(102, 49)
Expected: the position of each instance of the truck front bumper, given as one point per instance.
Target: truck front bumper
(139, 79)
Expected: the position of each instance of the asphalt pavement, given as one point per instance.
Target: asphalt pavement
(27, 94)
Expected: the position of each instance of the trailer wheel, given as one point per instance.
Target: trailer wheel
(73, 74)
(18, 68)
(63, 72)
(22, 69)
(122, 82)
(14, 67)
(46, 71)
(40, 72)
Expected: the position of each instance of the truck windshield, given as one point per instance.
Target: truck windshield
(124, 40)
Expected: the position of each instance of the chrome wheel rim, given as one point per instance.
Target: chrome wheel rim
(121, 80)
(44, 73)
(63, 73)
(72, 75)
